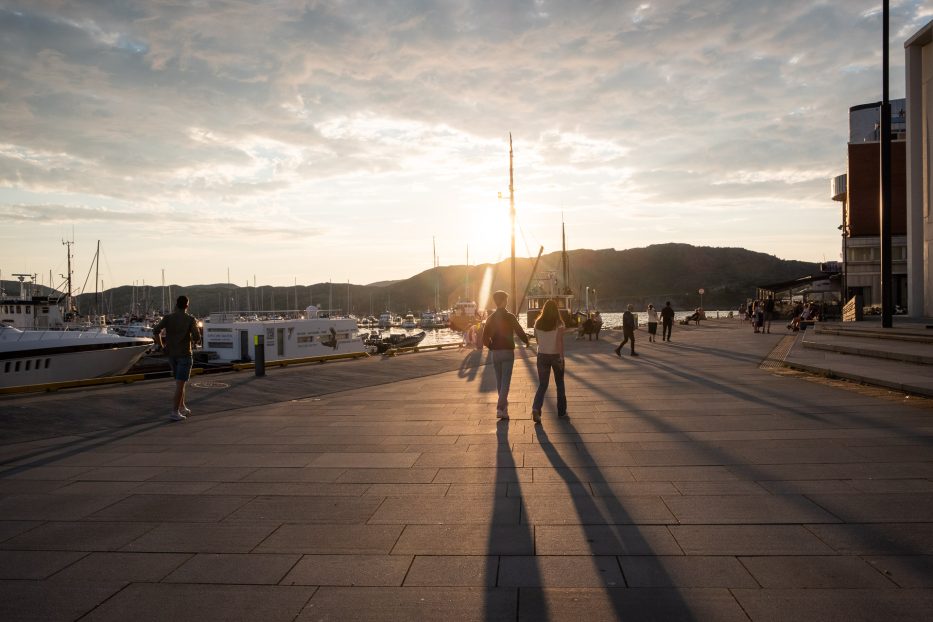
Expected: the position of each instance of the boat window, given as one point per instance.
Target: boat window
(17, 366)
(28, 365)
(6, 368)
(19, 309)
(47, 363)
(28, 310)
(38, 363)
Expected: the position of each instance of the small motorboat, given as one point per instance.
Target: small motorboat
(398, 340)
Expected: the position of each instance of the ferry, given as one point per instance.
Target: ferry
(230, 336)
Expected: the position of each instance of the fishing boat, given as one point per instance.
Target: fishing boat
(550, 288)
(293, 334)
(463, 315)
(385, 319)
(43, 356)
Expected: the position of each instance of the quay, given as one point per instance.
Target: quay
(703, 480)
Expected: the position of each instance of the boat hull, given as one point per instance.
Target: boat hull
(62, 356)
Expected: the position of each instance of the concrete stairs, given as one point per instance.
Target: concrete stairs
(899, 358)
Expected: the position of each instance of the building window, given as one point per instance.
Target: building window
(862, 253)
(28, 310)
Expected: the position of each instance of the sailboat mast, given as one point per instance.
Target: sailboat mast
(97, 280)
(563, 258)
(512, 217)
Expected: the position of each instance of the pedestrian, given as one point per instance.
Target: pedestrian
(549, 333)
(628, 331)
(652, 323)
(598, 324)
(667, 321)
(181, 332)
(769, 310)
(499, 337)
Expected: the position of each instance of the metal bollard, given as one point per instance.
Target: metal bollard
(259, 343)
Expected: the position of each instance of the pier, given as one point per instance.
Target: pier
(703, 480)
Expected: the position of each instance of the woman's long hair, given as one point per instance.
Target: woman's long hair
(549, 318)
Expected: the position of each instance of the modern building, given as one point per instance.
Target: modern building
(859, 192)
(919, 172)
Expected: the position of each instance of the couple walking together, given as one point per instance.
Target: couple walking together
(499, 337)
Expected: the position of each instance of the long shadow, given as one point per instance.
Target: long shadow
(610, 530)
(505, 463)
(75, 447)
(749, 471)
(470, 365)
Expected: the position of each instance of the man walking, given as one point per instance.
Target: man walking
(181, 332)
(769, 311)
(499, 337)
(628, 331)
(667, 321)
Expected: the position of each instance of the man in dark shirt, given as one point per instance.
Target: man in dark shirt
(628, 331)
(499, 336)
(181, 332)
(667, 321)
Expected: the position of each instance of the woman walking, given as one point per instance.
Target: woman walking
(549, 332)
(652, 323)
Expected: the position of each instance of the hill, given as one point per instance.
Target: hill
(655, 273)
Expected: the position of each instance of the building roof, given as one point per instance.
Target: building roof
(922, 37)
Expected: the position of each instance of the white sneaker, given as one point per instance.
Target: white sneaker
(502, 414)
(185, 411)
(177, 416)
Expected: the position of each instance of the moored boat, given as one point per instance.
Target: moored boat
(292, 334)
(43, 356)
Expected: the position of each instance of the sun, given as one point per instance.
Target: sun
(487, 231)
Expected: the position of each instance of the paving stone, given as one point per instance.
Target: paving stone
(51, 601)
(78, 536)
(453, 571)
(877, 539)
(121, 567)
(172, 488)
(406, 490)
(203, 474)
(411, 603)
(11, 528)
(595, 510)
(142, 602)
(465, 540)
(308, 509)
(366, 460)
(53, 507)
(605, 540)
(311, 489)
(560, 571)
(490, 490)
(748, 540)
(349, 570)
(839, 604)
(600, 604)
(294, 474)
(332, 539)
(814, 572)
(171, 508)
(35, 564)
(880, 508)
(583, 474)
(682, 473)
(234, 568)
(446, 511)
(905, 570)
(121, 474)
(96, 488)
(238, 537)
(726, 509)
(808, 487)
(691, 571)
(482, 475)
(387, 476)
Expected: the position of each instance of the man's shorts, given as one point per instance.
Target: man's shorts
(181, 367)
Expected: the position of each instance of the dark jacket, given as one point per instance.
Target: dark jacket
(181, 332)
(500, 331)
(628, 321)
(667, 314)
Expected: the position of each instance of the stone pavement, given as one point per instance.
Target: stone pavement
(690, 483)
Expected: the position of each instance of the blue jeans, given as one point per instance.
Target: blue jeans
(547, 362)
(502, 362)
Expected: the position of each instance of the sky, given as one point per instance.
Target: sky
(301, 141)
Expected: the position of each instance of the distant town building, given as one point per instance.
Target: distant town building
(919, 171)
(859, 192)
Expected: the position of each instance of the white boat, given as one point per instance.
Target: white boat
(409, 321)
(43, 356)
(427, 320)
(385, 319)
(463, 315)
(231, 335)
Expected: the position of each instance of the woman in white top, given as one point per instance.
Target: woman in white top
(549, 333)
(652, 323)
